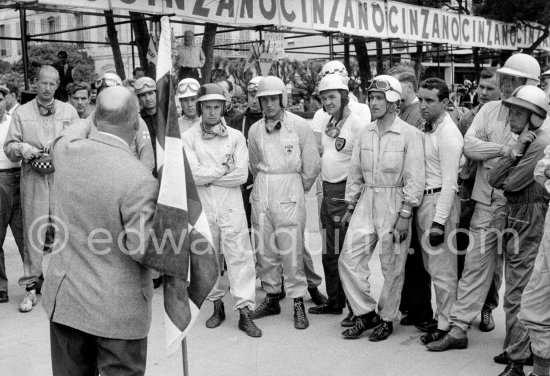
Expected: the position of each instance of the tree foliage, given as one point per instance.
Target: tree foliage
(46, 54)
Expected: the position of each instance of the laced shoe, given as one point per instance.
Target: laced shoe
(432, 337)
(218, 316)
(381, 332)
(487, 322)
(270, 306)
(325, 309)
(28, 302)
(247, 325)
(513, 369)
(300, 318)
(362, 324)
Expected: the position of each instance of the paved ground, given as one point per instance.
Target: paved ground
(319, 350)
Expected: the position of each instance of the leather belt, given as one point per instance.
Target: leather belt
(431, 191)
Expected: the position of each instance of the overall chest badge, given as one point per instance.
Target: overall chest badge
(289, 149)
(339, 143)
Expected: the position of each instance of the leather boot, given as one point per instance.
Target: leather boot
(381, 332)
(218, 316)
(270, 306)
(513, 369)
(487, 322)
(247, 325)
(300, 318)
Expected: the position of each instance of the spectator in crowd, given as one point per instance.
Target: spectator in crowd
(218, 159)
(146, 91)
(385, 181)
(230, 112)
(187, 95)
(285, 163)
(487, 91)
(243, 122)
(138, 73)
(33, 127)
(190, 58)
(488, 137)
(12, 98)
(76, 75)
(64, 70)
(527, 204)
(10, 198)
(416, 296)
(338, 137)
(99, 303)
(545, 82)
(79, 98)
(436, 218)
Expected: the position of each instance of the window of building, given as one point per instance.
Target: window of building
(5, 45)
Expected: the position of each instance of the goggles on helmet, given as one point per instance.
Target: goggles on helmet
(106, 82)
(140, 85)
(188, 87)
(381, 85)
(252, 87)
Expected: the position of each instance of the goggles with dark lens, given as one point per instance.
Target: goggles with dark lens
(106, 82)
(380, 85)
(140, 85)
(186, 87)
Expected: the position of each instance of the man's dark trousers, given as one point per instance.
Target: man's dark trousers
(76, 353)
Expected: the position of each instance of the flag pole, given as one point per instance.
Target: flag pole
(184, 357)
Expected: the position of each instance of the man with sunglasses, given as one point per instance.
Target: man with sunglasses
(488, 138)
(33, 127)
(142, 146)
(187, 95)
(218, 159)
(284, 161)
(385, 181)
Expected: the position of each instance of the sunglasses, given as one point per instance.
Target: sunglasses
(105, 82)
(188, 87)
(140, 85)
(380, 85)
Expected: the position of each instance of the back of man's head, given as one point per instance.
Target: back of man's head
(117, 112)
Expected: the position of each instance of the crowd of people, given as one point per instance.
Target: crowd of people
(457, 203)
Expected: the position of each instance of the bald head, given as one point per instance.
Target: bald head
(117, 112)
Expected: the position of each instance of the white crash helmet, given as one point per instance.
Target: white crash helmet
(334, 67)
(388, 85)
(523, 66)
(272, 85)
(332, 82)
(533, 99)
(188, 87)
(144, 84)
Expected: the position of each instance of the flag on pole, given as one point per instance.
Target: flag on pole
(182, 243)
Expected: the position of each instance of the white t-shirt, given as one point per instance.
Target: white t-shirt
(336, 157)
